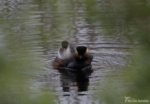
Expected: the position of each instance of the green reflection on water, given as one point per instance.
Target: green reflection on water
(20, 36)
(128, 19)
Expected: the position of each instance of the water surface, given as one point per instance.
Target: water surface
(44, 25)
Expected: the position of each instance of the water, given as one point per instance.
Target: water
(44, 25)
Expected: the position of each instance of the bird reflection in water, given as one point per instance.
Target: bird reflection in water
(78, 81)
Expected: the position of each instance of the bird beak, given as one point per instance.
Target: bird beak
(80, 57)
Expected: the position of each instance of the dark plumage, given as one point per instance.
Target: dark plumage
(82, 58)
(64, 44)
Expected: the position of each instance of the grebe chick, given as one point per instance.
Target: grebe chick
(66, 51)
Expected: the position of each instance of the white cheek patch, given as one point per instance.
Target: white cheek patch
(87, 51)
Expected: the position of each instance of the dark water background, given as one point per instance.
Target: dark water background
(42, 25)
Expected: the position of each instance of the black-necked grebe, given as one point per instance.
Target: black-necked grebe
(81, 59)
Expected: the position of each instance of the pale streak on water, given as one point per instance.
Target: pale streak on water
(109, 53)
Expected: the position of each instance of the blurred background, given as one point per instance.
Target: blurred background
(115, 31)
